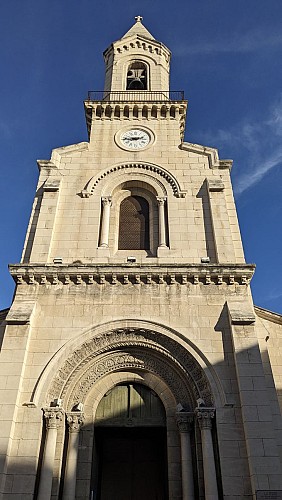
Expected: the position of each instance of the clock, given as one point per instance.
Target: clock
(135, 138)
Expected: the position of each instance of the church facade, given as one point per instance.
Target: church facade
(134, 364)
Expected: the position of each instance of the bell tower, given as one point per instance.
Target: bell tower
(137, 62)
(133, 362)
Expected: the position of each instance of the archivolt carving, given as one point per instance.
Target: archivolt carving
(135, 167)
(124, 360)
(157, 353)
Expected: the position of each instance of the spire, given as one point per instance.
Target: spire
(139, 29)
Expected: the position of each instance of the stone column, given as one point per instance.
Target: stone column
(74, 421)
(162, 224)
(105, 226)
(205, 416)
(184, 423)
(53, 418)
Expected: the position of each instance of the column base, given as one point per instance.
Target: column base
(103, 252)
(163, 251)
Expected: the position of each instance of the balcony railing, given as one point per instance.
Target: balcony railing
(135, 95)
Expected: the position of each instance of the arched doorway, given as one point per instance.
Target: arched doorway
(149, 356)
(130, 445)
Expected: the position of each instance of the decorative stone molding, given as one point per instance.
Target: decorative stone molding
(137, 42)
(46, 166)
(185, 421)
(135, 167)
(106, 201)
(91, 274)
(53, 417)
(240, 313)
(204, 417)
(215, 184)
(161, 200)
(75, 421)
(21, 312)
(268, 315)
(211, 153)
(124, 360)
(145, 350)
(52, 184)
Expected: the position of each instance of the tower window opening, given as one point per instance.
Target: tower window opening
(137, 76)
(134, 224)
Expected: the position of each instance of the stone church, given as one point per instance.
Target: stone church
(134, 365)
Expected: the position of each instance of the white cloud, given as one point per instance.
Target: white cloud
(241, 43)
(261, 144)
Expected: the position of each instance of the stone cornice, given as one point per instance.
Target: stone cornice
(268, 315)
(139, 42)
(51, 166)
(21, 312)
(169, 274)
(211, 153)
(116, 109)
(240, 313)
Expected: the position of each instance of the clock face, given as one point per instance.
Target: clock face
(135, 139)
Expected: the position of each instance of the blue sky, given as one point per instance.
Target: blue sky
(227, 58)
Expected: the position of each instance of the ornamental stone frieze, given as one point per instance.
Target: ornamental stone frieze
(135, 274)
(135, 168)
(147, 350)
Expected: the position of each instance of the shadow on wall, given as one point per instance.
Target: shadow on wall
(207, 217)
(121, 448)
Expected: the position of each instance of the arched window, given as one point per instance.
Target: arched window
(134, 224)
(136, 78)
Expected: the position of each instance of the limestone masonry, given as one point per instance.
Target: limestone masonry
(134, 364)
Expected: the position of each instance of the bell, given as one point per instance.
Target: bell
(136, 84)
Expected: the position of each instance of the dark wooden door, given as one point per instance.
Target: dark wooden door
(132, 464)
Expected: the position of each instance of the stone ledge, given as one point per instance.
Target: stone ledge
(215, 185)
(207, 274)
(20, 313)
(268, 315)
(51, 184)
(241, 314)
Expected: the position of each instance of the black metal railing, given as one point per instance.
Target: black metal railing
(135, 95)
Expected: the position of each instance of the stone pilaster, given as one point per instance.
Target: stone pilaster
(184, 422)
(74, 422)
(105, 225)
(53, 417)
(256, 412)
(204, 417)
(162, 223)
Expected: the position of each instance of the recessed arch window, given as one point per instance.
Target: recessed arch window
(137, 77)
(134, 224)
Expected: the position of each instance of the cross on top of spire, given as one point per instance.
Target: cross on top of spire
(139, 29)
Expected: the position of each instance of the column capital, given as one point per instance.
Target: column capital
(204, 417)
(75, 420)
(107, 201)
(161, 200)
(184, 421)
(53, 417)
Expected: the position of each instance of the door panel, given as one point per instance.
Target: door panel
(132, 464)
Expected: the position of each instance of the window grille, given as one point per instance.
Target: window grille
(134, 224)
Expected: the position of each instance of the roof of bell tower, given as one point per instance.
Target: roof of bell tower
(138, 29)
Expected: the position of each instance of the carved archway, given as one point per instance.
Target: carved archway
(155, 172)
(130, 348)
